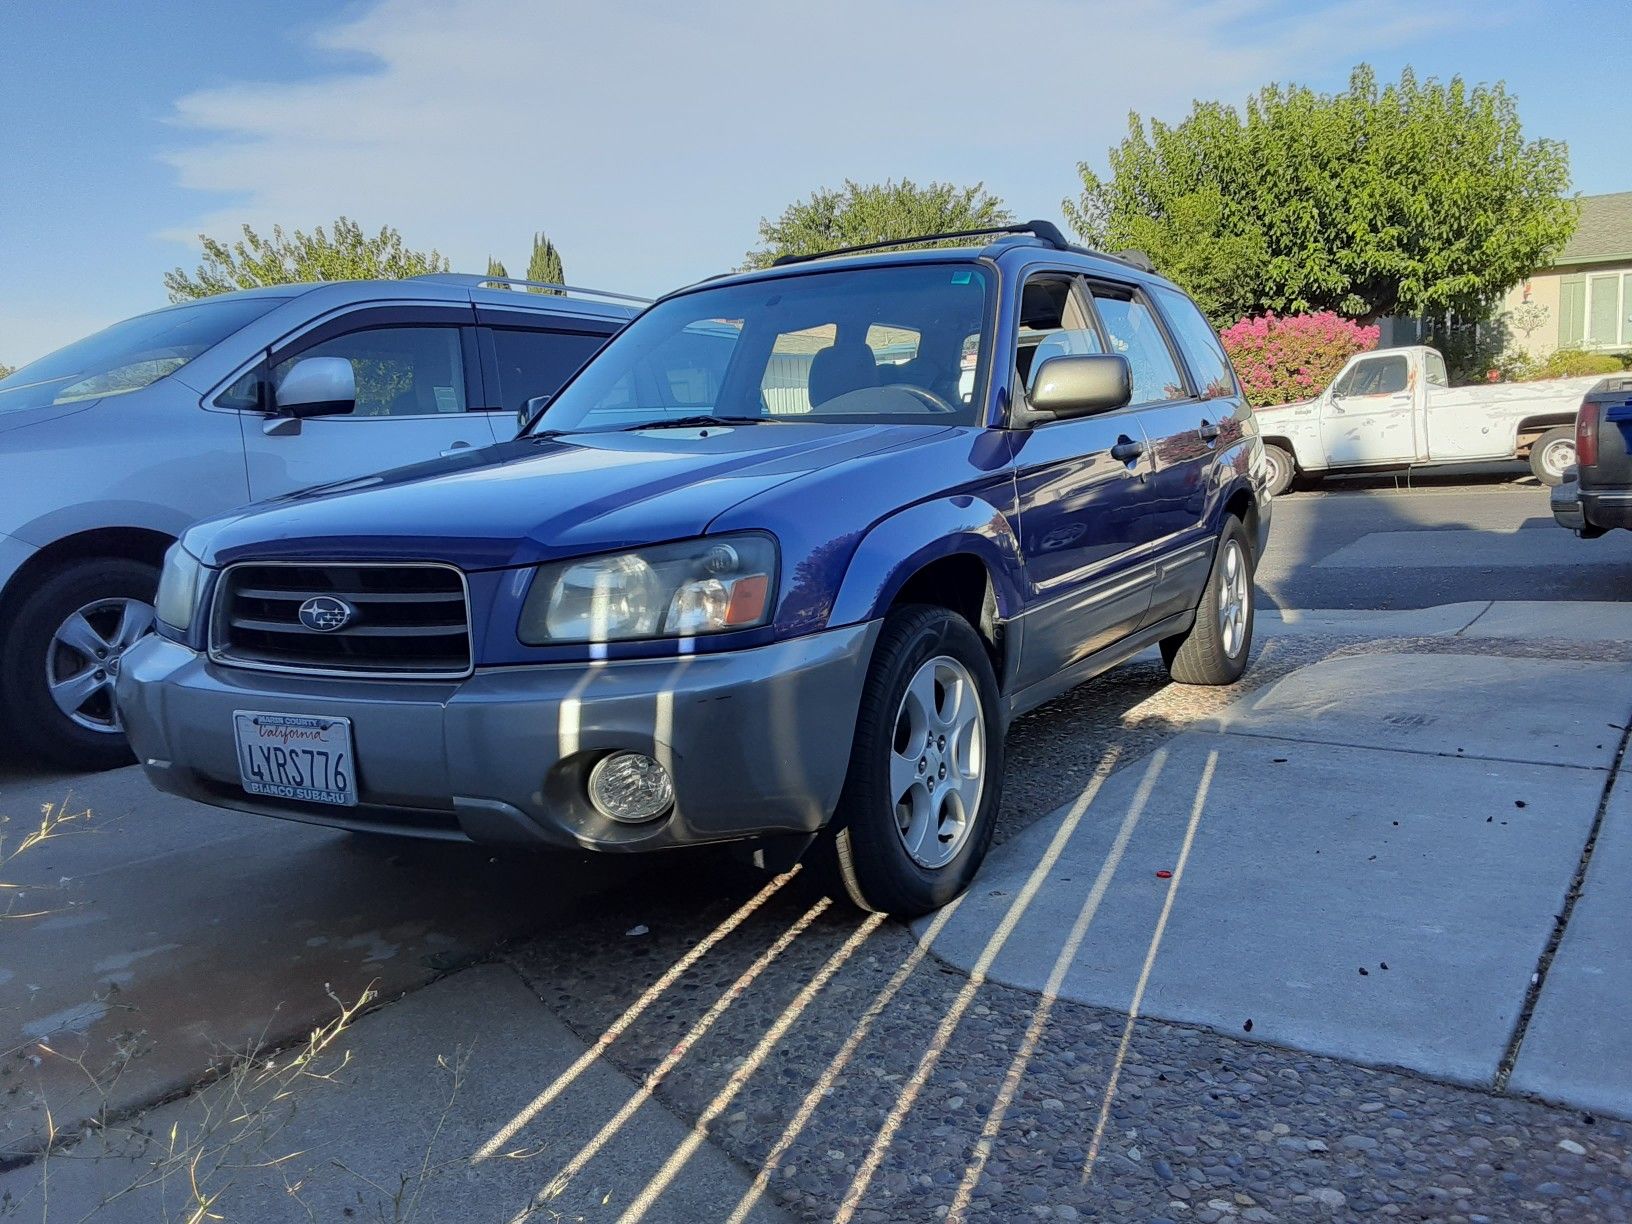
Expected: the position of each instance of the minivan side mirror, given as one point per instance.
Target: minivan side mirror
(531, 409)
(316, 386)
(1079, 384)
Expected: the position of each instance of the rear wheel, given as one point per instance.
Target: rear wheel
(1282, 469)
(61, 658)
(1552, 453)
(926, 768)
(1214, 650)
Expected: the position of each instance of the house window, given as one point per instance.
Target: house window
(1595, 311)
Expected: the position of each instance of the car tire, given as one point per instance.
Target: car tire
(1552, 453)
(929, 732)
(46, 650)
(1283, 469)
(1215, 648)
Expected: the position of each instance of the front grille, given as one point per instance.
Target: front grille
(400, 620)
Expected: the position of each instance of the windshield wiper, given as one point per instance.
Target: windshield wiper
(688, 422)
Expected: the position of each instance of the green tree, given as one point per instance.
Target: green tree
(1418, 198)
(496, 269)
(6, 371)
(874, 212)
(347, 254)
(545, 265)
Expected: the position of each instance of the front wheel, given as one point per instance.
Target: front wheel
(61, 657)
(1552, 453)
(1214, 649)
(926, 768)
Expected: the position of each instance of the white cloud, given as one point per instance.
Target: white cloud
(649, 139)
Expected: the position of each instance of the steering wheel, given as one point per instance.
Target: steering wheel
(927, 397)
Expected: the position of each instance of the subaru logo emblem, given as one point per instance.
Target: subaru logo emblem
(325, 614)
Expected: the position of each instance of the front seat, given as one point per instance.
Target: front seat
(842, 368)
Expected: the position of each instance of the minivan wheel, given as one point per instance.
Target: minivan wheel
(61, 658)
(1214, 650)
(916, 815)
(1552, 454)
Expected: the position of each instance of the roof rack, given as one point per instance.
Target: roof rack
(474, 281)
(1045, 232)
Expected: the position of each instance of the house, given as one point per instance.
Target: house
(1584, 299)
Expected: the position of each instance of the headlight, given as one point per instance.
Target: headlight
(178, 588)
(674, 590)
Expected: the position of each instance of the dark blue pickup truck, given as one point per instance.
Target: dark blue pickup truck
(777, 567)
(1595, 495)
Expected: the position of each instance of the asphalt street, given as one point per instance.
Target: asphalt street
(1430, 538)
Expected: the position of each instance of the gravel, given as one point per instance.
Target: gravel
(864, 1079)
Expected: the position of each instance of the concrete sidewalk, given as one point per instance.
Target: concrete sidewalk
(426, 1085)
(1521, 620)
(1367, 860)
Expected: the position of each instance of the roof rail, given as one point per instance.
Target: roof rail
(1045, 230)
(474, 281)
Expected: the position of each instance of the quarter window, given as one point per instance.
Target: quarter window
(1132, 331)
(1199, 343)
(400, 371)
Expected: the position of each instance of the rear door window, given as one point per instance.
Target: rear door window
(1199, 343)
(1131, 329)
(535, 363)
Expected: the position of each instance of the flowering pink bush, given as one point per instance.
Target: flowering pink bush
(1284, 359)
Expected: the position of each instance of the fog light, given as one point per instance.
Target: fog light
(631, 787)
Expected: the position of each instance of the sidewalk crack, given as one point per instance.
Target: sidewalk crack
(1538, 980)
(1489, 604)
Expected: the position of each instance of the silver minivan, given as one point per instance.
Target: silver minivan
(111, 446)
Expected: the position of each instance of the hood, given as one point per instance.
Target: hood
(532, 500)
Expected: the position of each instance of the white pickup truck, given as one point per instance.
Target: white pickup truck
(1396, 408)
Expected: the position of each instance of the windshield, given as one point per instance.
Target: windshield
(130, 355)
(884, 344)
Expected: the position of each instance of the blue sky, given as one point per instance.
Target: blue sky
(647, 138)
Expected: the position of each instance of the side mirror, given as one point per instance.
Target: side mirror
(317, 386)
(531, 409)
(1079, 384)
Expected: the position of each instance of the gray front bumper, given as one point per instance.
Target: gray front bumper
(758, 741)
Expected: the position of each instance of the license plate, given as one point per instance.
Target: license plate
(296, 756)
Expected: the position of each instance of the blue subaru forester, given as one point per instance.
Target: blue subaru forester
(778, 567)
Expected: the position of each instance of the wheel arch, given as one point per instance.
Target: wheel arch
(1240, 501)
(134, 543)
(961, 554)
(1530, 429)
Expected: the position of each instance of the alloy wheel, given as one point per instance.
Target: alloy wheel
(1233, 593)
(938, 761)
(82, 661)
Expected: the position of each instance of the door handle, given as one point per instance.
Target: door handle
(1209, 432)
(456, 448)
(1127, 450)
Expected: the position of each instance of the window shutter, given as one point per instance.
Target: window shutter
(1572, 311)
